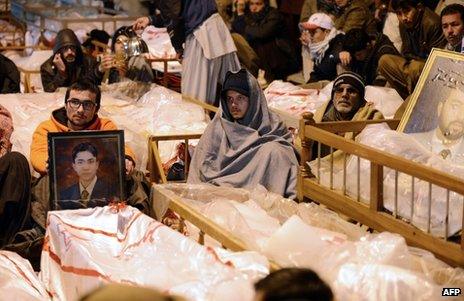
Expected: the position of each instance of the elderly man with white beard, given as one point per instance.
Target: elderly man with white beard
(447, 138)
(347, 103)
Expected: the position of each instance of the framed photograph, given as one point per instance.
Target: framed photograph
(86, 168)
(442, 79)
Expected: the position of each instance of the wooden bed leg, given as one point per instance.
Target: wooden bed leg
(305, 154)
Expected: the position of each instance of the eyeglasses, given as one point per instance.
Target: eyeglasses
(88, 105)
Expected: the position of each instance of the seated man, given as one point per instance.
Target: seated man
(119, 66)
(346, 104)
(68, 63)
(264, 29)
(82, 102)
(245, 144)
(322, 43)
(9, 76)
(452, 23)
(354, 14)
(15, 184)
(447, 139)
(365, 52)
(420, 30)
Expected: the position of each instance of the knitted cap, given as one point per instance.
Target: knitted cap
(351, 78)
(237, 81)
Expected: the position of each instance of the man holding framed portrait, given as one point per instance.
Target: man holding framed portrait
(79, 117)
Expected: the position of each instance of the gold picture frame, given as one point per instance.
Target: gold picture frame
(443, 72)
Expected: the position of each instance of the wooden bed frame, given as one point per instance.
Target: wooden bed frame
(155, 165)
(373, 215)
(207, 227)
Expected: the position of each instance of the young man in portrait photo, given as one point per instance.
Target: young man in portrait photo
(89, 189)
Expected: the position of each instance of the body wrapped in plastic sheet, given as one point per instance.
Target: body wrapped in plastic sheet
(358, 265)
(86, 248)
(18, 280)
(404, 145)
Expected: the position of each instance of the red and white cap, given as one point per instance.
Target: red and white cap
(318, 20)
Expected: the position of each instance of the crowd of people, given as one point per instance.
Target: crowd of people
(245, 144)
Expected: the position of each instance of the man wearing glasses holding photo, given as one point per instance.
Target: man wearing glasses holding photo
(80, 113)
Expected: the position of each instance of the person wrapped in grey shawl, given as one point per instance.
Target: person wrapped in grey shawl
(255, 149)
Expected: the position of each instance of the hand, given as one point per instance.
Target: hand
(59, 64)
(107, 62)
(141, 23)
(129, 166)
(305, 39)
(345, 58)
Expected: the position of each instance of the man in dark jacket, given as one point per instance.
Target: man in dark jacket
(68, 63)
(209, 50)
(366, 52)
(9, 76)
(420, 30)
(264, 29)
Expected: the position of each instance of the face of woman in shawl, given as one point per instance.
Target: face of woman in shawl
(237, 104)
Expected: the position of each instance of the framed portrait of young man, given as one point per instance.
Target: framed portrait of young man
(86, 168)
(435, 112)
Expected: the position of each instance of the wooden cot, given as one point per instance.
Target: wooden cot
(155, 165)
(374, 215)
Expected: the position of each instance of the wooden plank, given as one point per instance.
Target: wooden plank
(376, 201)
(168, 137)
(388, 160)
(156, 163)
(202, 104)
(354, 126)
(381, 221)
(210, 228)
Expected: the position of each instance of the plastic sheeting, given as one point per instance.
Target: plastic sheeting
(384, 139)
(86, 248)
(375, 268)
(160, 46)
(18, 281)
(348, 258)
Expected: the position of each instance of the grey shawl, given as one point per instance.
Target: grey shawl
(254, 150)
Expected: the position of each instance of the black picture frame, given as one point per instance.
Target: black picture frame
(65, 171)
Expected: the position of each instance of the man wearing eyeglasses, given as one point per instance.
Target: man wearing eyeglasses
(82, 102)
(346, 104)
(68, 63)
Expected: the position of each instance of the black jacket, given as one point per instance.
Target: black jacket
(368, 68)
(182, 17)
(327, 68)
(267, 35)
(84, 67)
(9, 76)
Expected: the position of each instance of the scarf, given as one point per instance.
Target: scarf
(317, 50)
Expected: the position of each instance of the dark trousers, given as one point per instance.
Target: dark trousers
(15, 195)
